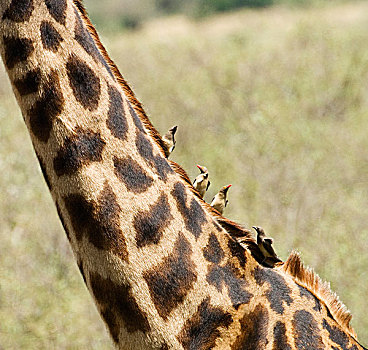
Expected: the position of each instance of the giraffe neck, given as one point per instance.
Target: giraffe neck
(136, 230)
(160, 269)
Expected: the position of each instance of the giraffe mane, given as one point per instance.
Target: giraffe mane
(306, 277)
(293, 266)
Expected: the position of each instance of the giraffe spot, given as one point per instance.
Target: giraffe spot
(44, 172)
(337, 336)
(29, 83)
(98, 221)
(137, 121)
(278, 291)
(162, 166)
(116, 120)
(306, 331)
(81, 149)
(50, 37)
(213, 251)
(279, 337)
(60, 214)
(132, 175)
(47, 108)
(164, 346)
(57, 9)
(171, 280)
(84, 38)
(237, 251)
(150, 225)
(253, 333)
(201, 331)
(304, 292)
(220, 276)
(81, 270)
(145, 149)
(16, 50)
(84, 83)
(193, 214)
(19, 11)
(117, 302)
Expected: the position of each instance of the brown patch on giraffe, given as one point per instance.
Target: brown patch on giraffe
(306, 331)
(201, 331)
(278, 291)
(304, 292)
(84, 38)
(44, 172)
(213, 251)
(84, 83)
(145, 149)
(150, 225)
(280, 341)
(193, 215)
(237, 251)
(19, 11)
(81, 270)
(116, 121)
(30, 83)
(136, 120)
(60, 214)
(254, 327)
(132, 174)
(220, 276)
(171, 280)
(339, 337)
(57, 9)
(310, 280)
(50, 37)
(46, 108)
(81, 149)
(118, 303)
(16, 50)
(98, 221)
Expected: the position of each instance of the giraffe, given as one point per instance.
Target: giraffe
(164, 269)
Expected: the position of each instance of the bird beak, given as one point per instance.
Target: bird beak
(255, 227)
(200, 168)
(173, 129)
(228, 186)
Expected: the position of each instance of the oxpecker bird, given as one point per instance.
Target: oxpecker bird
(201, 182)
(169, 141)
(219, 202)
(265, 245)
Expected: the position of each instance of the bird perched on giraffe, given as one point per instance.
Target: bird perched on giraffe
(201, 183)
(219, 202)
(169, 141)
(265, 245)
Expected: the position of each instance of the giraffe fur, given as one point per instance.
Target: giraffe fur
(163, 269)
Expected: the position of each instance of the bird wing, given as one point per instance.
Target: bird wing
(268, 248)
(226, 202)
(269, 240)
(194, 182)
(208, 185)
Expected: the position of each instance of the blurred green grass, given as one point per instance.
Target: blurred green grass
(273, 101)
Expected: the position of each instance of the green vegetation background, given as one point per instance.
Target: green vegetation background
(274, 101)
